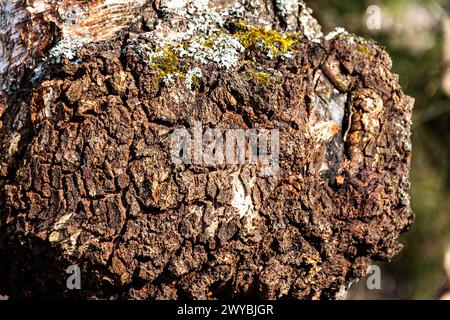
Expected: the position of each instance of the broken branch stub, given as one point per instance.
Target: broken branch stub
(91, 174)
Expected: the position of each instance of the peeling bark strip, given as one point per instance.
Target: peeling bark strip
(87, 177)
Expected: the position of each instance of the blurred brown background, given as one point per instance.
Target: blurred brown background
(416, 33)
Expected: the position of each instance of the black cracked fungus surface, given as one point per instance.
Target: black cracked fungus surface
(92, 182)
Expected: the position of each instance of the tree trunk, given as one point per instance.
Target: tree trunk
(98, 97)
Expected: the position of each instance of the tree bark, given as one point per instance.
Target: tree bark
(92, 99)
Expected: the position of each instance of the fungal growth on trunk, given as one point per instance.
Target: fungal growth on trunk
(127, 147)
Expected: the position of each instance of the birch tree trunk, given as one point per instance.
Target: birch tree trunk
(93, 95)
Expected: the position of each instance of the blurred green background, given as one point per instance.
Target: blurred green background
(413, 32)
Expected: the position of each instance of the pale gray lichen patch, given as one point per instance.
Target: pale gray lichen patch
(169, 79)
(335, 33)
(67, 48)
(286, 7)
(199, 39)
(184, 6)
(305, 23)
(223, 49)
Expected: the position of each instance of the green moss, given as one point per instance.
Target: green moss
(272, 41)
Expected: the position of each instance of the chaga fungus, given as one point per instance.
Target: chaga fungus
(87, 176)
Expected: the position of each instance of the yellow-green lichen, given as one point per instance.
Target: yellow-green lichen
(209, 43)
(314, 261)
(273, 42)
(262, 78)
(365, 51)
(167, 62)
(195, 83)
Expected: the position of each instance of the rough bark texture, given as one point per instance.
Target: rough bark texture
(87, 178)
